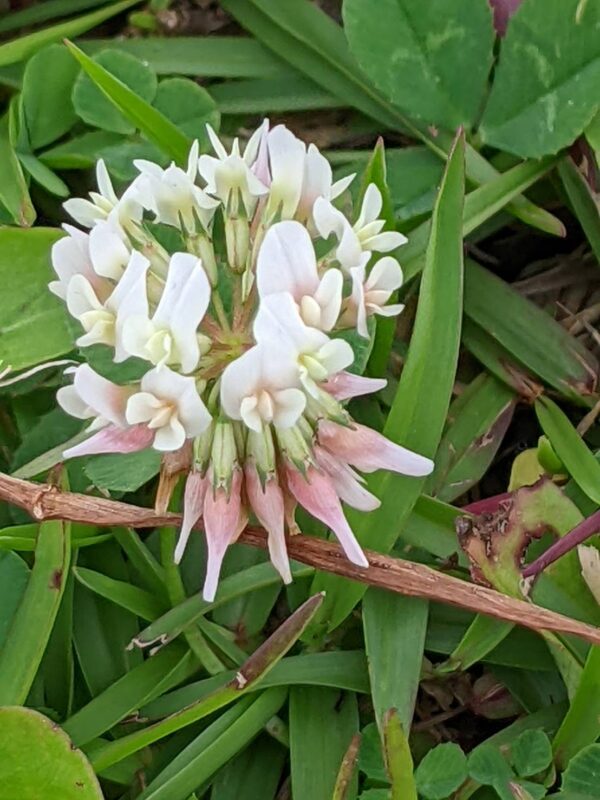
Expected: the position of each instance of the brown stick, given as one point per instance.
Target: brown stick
(43, 501)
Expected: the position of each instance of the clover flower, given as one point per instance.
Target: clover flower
(240, 333)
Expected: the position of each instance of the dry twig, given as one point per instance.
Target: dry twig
(44, 501)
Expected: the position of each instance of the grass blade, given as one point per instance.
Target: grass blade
(322, 724)
(581, 725)
(582, 201)
(25, 46)
(32, 624)
(138, 601)
(261, 662)
(152, 123)
(395, 629)
(398, 758)
(417, 415)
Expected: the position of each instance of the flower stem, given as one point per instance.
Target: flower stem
(220, 311)
(587, 528)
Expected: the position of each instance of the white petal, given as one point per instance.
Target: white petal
(81, 297)
(329, 297)
(340, 186)
(141, 407)
(286, 261)
(129, 298)
(278, 321)
(216, 142)
(192, 412)
(336, 355)
(69, 400)
(386, 241)
(289, 405)
(170, 437)
(358, 300)
(83, 211)
(135, 333)
(328, 219)
(105, 186)
(386, 275)
(106, 398)
(286, 153)
(108, 252)
(371, 206)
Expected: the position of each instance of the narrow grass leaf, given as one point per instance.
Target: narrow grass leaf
(14, 192)
(398, 758)
(51, 9)
(255, 772)
(25, 46)
(155, 126)
(261, 662)
(418, 414)
(32, 624)
(140, 602)
(581, 725)
(570, 447)
(582, 201)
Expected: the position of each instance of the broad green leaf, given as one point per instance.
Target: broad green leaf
(487, 765)
(188, 105)
(38, 760)
(441, 772)
(14, 192)
(25, 46)
(370, 757)
(304, 36)
(202, 758)
(322, 724)
(545, 86)
(570, 447)
(583, 202)
(44, 176)
(335, 669)
(531, 753)
(155, 126)
(444, 46)
(395, 629)
(138, 601)
(258, 665)
(417, 416)
(14, 574)
(95, 108)
(32, 624)
(581, 725)
(202, 56)
(46, 95)
(123, 472)
(80, 152)
(33, 323)
(583, 773)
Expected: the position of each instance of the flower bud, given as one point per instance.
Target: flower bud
(321, 405)
(294, 447)
(202, 246)
(224, 455)
(202, 449)
(261, 448)
(237, 238)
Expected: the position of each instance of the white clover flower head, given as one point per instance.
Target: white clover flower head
(238, 340)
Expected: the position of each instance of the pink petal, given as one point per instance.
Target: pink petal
(113, 440)
(503, 11)
(221, 524)
(368, 450)
(317, 495)
(346, 481)
(345, 385)
(193, 503)
(267, 503)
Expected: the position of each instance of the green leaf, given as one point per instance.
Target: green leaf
(303, 35)
(95, 108)
(14, 192)
(32, 624)
(44, 176)
(570, 447)
(256, 772)
(259, 664)
(480, 638)
(46, 95)
(33, 324)
(127, 694)
(322, 724)
(80, 152)
(123, 472)
(544, 91)
(581, 725)
(487, 766)
(25, 46)
(445, 46)
(395, 628)
(14, 574)
(37, 760)
(583, 202)
(370, 757)
(417, 415)
(188, 105)
(203, 56)
(583, 773)
(441, 772)
(531, 753)
(138, 601)
(208, 753)
(271, 96)
(398, 758)
(155, 126)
